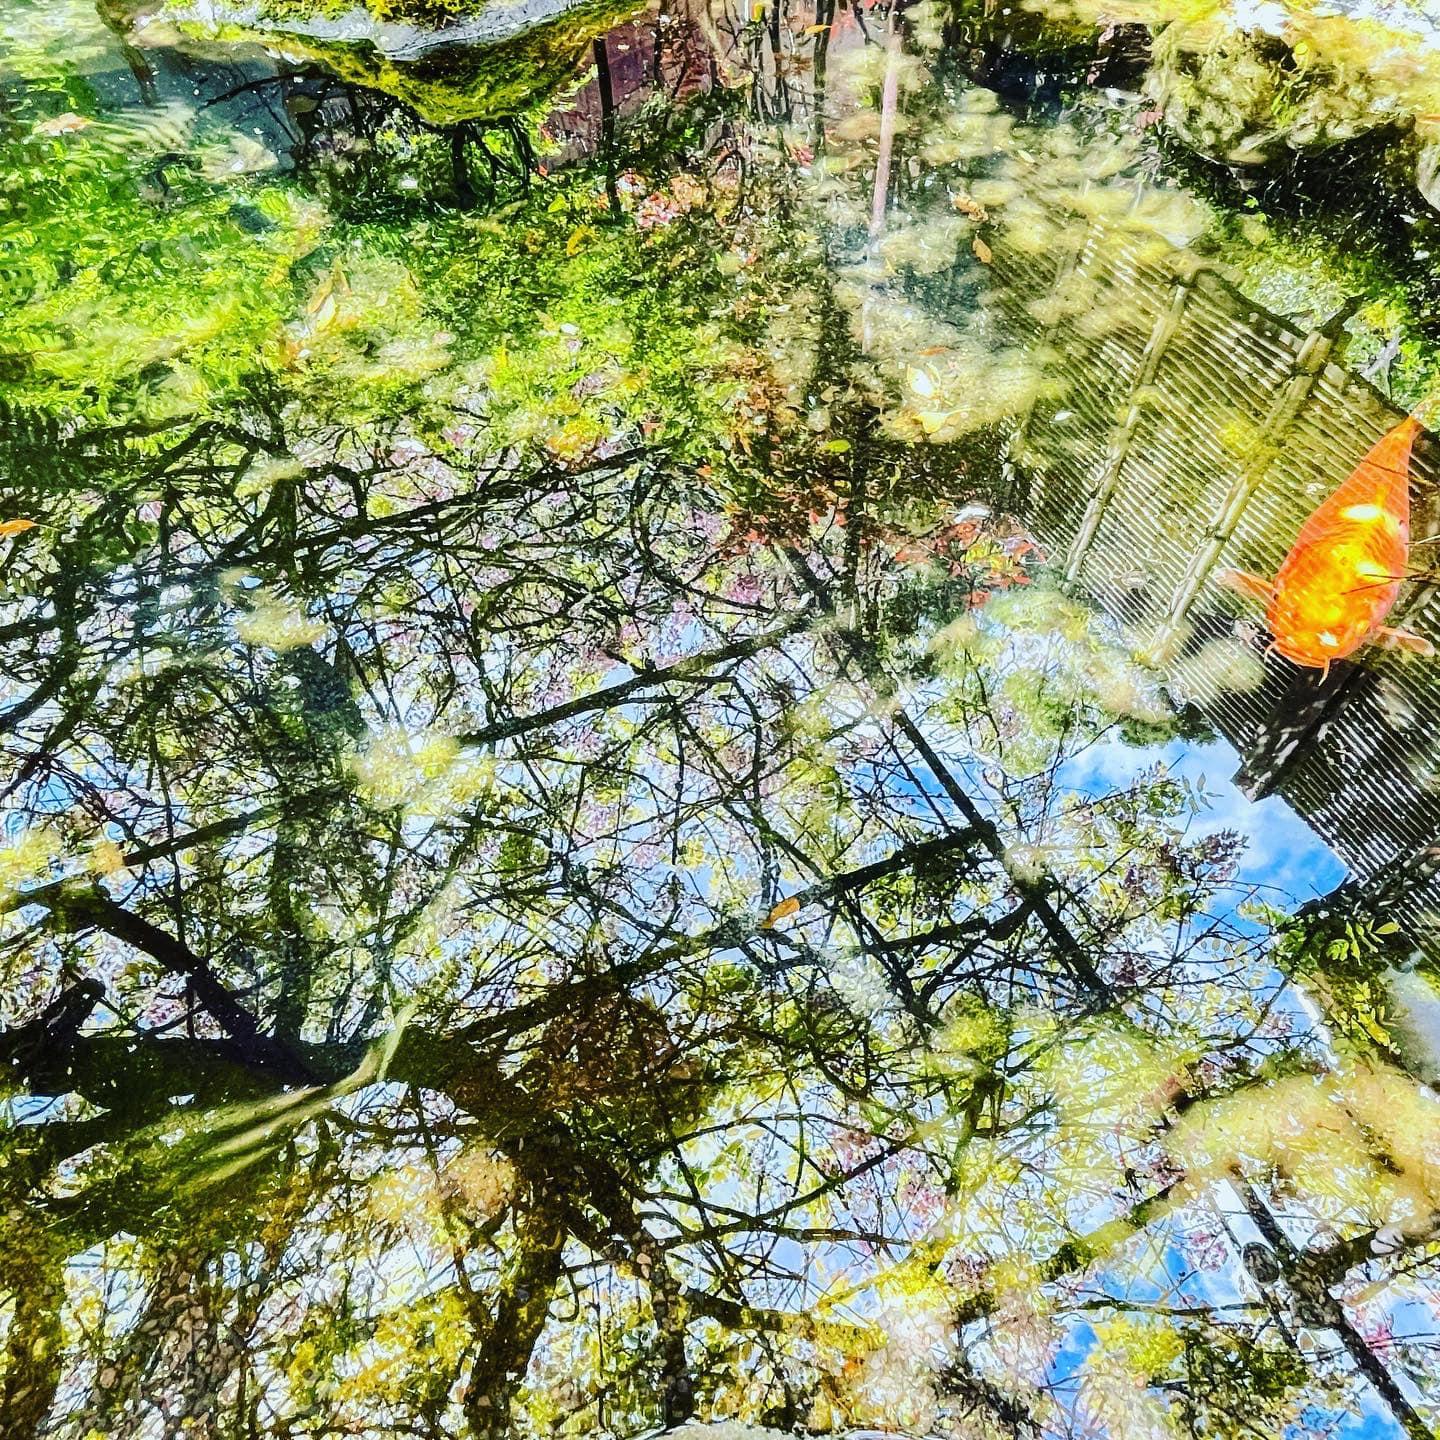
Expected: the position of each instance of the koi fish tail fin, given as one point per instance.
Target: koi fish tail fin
(1252, 587)
(1392, 639)
(1379, 484)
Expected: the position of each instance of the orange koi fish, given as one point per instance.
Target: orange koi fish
(1343, 574)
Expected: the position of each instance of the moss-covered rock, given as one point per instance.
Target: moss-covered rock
(1252, 84)
(448, 60)
(1287, 82)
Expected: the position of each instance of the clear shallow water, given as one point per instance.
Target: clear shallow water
(631, 799)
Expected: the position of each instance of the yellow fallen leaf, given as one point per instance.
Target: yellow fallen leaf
(983, 252)
(243, 156)
(66, 124)
(322, 316)
(15, 527)
(334, 284)
(787, 906)
(578, 236)
(814, 29)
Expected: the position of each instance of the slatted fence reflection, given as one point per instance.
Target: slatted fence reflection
(1197, 434)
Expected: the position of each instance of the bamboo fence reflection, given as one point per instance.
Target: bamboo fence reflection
(1199, 436)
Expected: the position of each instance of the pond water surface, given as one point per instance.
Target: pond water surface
(689, 744)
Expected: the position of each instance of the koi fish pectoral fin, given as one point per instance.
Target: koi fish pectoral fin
(1242, 582)
(1403, 640)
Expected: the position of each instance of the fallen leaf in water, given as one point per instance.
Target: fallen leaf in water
(14, 527)
(243, 156)
(787, 906)
(323, 315)
(66, 124)
(335, 283)
(983, 252)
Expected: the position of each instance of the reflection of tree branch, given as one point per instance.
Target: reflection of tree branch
(607, 123)
(1034, 892)
(889, 111)
(1315, 1301)
(1330, 1266)
(692, 669)
(92, 907)
(961, 1380)
(735, 1315)
(51, 1034)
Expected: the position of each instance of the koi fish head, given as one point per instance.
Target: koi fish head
(1316, 649)
(1317, 634)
